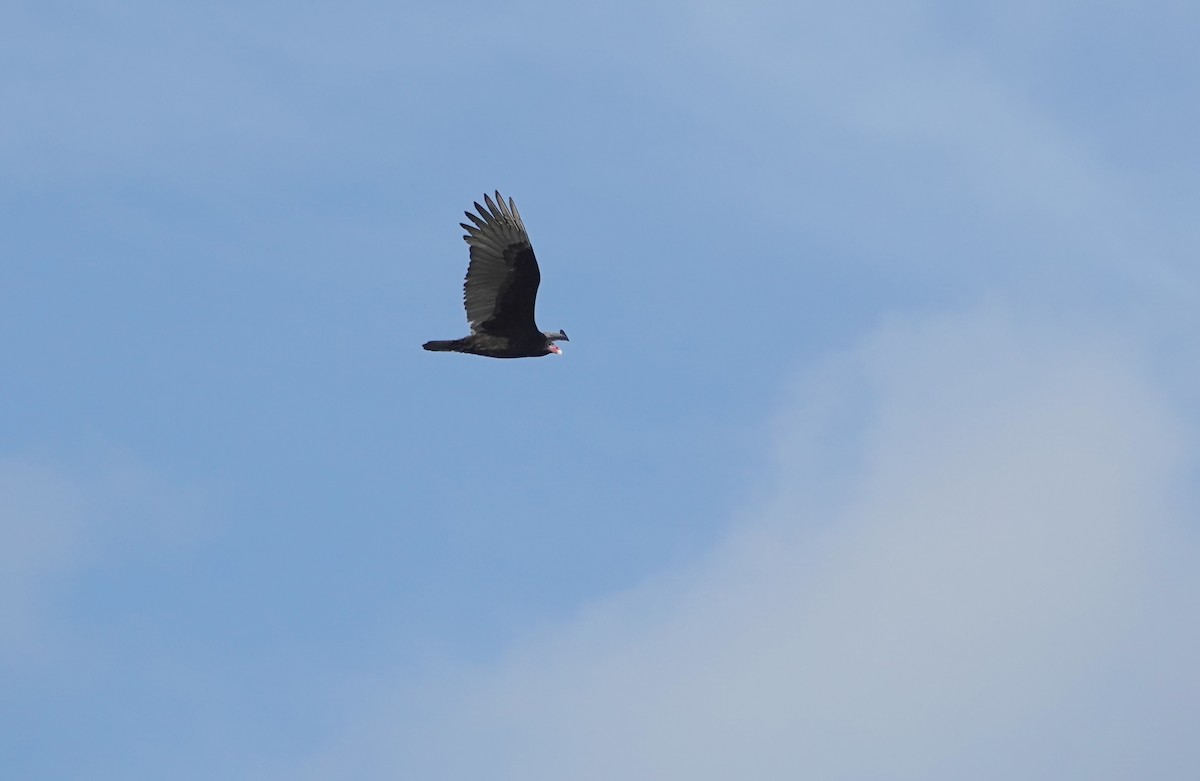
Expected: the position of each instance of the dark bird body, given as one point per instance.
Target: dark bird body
(501, 287)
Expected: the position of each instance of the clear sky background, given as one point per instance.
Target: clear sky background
(873, 454)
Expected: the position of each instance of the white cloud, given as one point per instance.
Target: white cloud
(978, 585)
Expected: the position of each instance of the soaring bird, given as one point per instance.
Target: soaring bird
(500, 288)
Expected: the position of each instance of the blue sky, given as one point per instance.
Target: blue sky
(873, 453)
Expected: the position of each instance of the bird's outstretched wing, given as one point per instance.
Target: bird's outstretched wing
(502, 280)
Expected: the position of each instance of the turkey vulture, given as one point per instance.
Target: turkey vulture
(500, 289)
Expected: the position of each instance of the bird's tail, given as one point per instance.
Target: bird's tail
(446, 346)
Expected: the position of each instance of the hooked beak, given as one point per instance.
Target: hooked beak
(554, 348)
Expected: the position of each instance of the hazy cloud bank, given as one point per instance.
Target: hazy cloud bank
(982, 576)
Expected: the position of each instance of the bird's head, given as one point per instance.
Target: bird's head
(551, 338)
